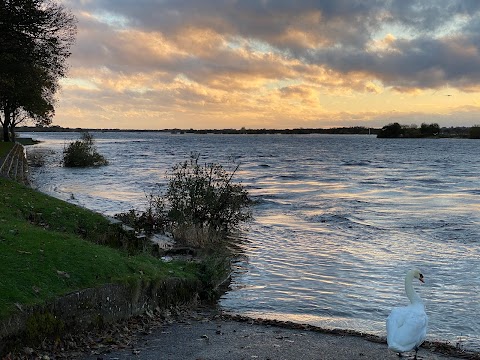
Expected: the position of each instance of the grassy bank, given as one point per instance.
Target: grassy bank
(5, 148)
(49, 248)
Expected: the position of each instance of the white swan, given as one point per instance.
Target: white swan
(407, 326)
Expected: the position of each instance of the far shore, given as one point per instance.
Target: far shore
(355, 130)
(444, 132)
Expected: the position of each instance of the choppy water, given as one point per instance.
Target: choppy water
(340, 220)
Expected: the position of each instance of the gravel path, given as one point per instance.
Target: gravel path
(208, 335)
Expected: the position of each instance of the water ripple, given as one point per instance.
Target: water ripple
(338, 220)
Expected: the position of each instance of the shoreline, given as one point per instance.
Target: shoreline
(440, 347)
(101, 280)
(444, 132)
(449, 349)
(208, 333)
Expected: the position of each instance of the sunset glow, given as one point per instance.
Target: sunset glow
(266, 64)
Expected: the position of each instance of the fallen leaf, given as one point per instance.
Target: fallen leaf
(63, 274)
(24, 252)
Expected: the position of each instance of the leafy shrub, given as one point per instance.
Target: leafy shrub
(204, 195)
(82, 153)
(200, 205)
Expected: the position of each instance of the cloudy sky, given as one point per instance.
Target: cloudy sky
(204, 64)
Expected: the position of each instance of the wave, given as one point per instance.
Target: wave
(331, 205)
(357, 163)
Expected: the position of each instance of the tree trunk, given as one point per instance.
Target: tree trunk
(6, 125)
(5, 133)
(12, 132)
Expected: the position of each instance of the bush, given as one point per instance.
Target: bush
(200, 205)
(82, 153)
(205, 196)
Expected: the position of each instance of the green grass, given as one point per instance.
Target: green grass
(5, 148)
(49, 248)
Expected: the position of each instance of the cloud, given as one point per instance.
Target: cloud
(266, 59)
(193, 37)
(409, 64)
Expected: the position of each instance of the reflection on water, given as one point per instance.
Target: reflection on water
(339, 220)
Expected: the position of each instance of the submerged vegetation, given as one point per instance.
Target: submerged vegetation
(83, 153)
(201, 204)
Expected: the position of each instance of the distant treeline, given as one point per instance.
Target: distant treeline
(393, 130)
(340, 130)
(396, 130)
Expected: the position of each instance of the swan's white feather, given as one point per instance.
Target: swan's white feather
(406, 327)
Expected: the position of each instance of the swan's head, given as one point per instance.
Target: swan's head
(417, 275)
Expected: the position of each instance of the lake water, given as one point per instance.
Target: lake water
(339, 220)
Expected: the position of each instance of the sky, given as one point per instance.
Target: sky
(274, 64)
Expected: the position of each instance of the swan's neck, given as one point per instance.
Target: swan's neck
(411, 294)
